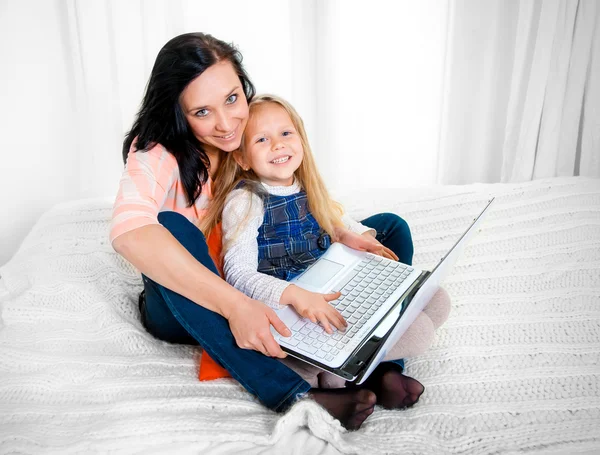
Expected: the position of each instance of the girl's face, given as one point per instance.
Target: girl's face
(273, 148)
(216, 108)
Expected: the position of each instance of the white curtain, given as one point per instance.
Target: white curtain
(379, 72)
(370, 95)
(114, 44)
(74, 72)
(396, 93)
(399, 93)
(522, 91)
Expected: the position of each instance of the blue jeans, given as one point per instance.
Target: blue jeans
(394, 233)
(173, 318)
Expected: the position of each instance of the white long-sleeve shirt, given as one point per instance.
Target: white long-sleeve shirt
(243, 215)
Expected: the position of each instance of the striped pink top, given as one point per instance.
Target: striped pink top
(150, 184)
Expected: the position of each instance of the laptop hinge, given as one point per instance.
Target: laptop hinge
(363, 356)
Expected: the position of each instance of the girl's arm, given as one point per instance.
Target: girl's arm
(242, 217)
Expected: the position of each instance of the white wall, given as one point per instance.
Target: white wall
(380, 93)
(38, 169)
(367, 82)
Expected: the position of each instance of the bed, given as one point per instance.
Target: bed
(514, 369)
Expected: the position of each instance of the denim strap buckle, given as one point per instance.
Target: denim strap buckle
(324, 241)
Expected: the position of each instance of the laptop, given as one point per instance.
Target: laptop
(380, 299)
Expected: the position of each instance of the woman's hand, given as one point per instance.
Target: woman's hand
(315, 307)
(251, 324)
(364, 242)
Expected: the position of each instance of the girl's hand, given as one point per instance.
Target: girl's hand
(315, 307)
(251, 323)
(364, 242)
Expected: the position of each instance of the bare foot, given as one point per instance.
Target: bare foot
(393, 389)
(350, 407)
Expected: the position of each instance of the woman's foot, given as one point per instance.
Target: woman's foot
(350, 407)
(393, 389)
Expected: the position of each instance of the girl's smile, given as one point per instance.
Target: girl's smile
(272, 146)
(281, 160)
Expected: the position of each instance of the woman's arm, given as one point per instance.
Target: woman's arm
(152, 249)
(157, 254)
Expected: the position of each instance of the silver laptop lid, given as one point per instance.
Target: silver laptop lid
(427, 289)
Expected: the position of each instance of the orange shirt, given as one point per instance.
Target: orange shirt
(150, 184)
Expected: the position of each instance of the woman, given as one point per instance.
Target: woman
(195, 110)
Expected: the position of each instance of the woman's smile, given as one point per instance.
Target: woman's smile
(216, 108)
(229, 136)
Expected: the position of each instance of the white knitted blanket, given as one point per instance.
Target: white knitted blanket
(515, 368)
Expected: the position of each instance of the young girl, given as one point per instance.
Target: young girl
(278, 219)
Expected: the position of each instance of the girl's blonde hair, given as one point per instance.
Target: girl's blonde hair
(326, 211)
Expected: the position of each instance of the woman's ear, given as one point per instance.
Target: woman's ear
(238, 156)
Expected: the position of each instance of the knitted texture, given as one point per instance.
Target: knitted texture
(514, 369)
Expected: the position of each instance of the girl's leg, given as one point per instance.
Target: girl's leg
(174, 318)
(415, 341)
(438, 308)
(419, 336)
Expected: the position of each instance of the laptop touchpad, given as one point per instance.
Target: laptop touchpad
(320, 272)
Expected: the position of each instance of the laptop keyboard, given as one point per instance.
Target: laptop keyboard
(364, 292)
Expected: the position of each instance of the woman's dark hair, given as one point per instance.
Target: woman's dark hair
(161, 119)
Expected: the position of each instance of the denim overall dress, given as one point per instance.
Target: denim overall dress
(289, 239)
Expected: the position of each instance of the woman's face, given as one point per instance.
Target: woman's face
(216, 108)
